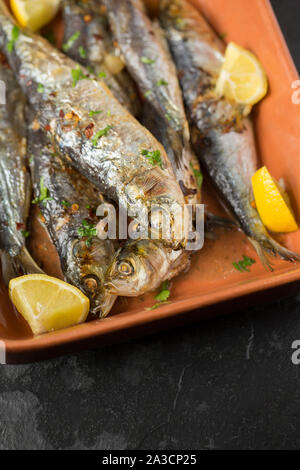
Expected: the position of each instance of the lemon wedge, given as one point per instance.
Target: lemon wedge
(242, 77)
(33, 14)
(47, 303)
(272, 203)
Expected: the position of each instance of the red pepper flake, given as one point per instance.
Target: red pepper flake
(29, 83)
(47, 128)
(87, 18)
(75, 207)
(20, 226)
(67, 128)
(61, 114)
(89, 131)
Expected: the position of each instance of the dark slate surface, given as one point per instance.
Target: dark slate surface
(224, 384)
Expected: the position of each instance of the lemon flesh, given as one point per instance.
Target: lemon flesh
(242, 77)
(272, 203)
(47, 303)
(33, 14)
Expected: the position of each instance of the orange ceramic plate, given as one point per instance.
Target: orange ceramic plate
(212, 279)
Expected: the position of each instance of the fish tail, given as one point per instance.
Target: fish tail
(269, 246)
(19, 265)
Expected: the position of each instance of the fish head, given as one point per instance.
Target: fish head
(89, 262)
(139, 267)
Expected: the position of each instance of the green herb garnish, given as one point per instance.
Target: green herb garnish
(147, 61)
(162, 82)
(40, 88)
(14, 36)
(162, 297)
(198, 176)
(100, 134)
(67, 46)
(102, 75)
(154, 157)
(77, 74)
(244, 264)
(87, 230)
(164, 294)
(223, 36)
(93, 113)
(148, 93)
(66, 203)
(25, 233)
(82, 52)
(44, 194)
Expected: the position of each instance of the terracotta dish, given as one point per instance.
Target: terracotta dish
(212, 281)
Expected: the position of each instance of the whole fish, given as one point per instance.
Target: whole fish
(223, 138)
(147, 57)
(68, 203)
(15, 185)
(92, 131)
(143, 266)
(87, 40)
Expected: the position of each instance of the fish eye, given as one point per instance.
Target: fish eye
(91, 283)
(125, 268)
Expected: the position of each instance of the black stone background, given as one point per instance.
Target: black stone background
(228, 383)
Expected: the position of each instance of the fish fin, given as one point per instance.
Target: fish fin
(153, 185)
(18, 265)
(270, 246)
(213, 221)
(262, 255)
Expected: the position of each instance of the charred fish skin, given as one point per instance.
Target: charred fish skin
(147, 57)
(110, 148)
(68, 200)
(15, 184)
(223, 138)
(87, 41)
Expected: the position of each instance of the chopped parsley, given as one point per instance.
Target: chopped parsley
(244, 264)
(102, 75)
(147, 61)
(65, 203)
(44, 194)
(40, 88)
(14, 36)
(164, 294)
(77, 74)
(223, 36)
(154, 157)
(82, 52)
(162, 297)
(148, 93)
(162, 82)
(87, 230)
(100, 134)
(67, 46)
(198, 176)
(25, 233)
(93, 113)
